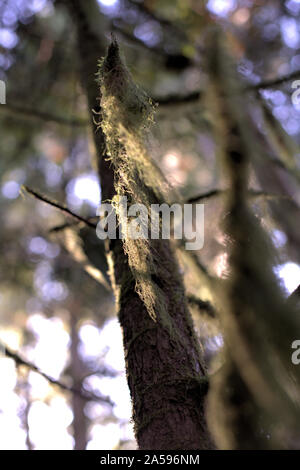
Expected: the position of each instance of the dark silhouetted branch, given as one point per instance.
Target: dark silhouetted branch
(61, 227)
(86, 395)
(196, 95)
(146, 11)
(170, 100)
(58, 206)
(171, 61)
(21, 111)
(206, 195)
(275, 81)
(220, 192)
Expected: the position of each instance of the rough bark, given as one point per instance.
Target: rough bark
(164, 367)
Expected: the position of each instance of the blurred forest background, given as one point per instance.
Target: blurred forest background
(54, 312)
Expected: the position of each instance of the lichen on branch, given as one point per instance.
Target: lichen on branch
(126, 114)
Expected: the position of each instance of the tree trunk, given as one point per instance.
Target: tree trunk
(165, 373)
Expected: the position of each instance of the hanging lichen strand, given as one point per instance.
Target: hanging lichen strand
(259, 327)
(126, 113)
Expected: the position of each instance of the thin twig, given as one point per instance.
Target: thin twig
(275, 82)
(170, 100)
(171, 61)
(135, 40)
(74, 223)
(86, 395)
(206, 195)
(43, 115)
(61, 227)
(219, 192)
(145, 10)
(58, 206)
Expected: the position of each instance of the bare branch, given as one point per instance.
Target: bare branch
(206, 195)
(171, 61)
(275, 81)
(58, 206)
(251, 193)
(170, 100)
(69, 243)
(21, 111)
(145, 10)
(196, 95)
(85, 394)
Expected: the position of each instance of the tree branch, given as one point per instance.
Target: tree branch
(42, 115)
(86, 395)
(295, 295)
(145, 10)
(251, 193)
(171, 61)
(275, 81)
(170, 100)
(58, 206)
